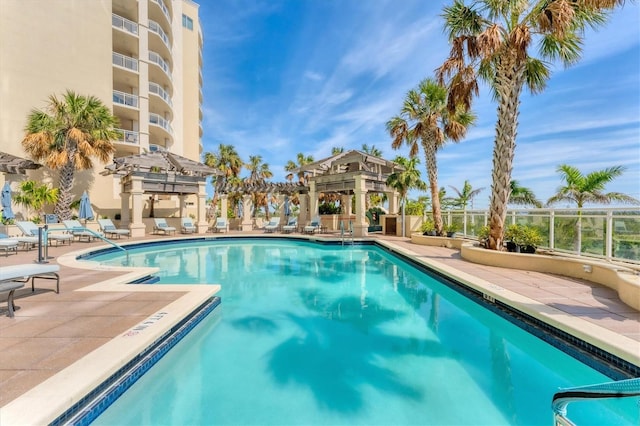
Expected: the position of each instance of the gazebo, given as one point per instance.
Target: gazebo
(159, 172)
(351, 173)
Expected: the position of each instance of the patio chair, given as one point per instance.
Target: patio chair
(273, 225)
(14, 277)
(291, 225)
(161, 225)
(78, 231)
(187, 225)
(221, 225)
(30, 229)
(314, 226)
(8, 244)
(108, 228)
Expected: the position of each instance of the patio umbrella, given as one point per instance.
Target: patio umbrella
(7, 213)
(85, 207)
(287, 206)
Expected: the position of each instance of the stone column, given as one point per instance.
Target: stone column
(136, 226)
(201, 220)
(224, 206)
(246, 225)
(125, 214)
(313, 200)
(360, 222)
(281, 213)
(303, 217)
(393, 202)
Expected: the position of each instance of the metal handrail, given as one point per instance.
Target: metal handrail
(620, 389)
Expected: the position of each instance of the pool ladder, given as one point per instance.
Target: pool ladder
(346, 234)
(620, 389)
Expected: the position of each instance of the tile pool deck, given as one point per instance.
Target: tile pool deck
(52, 331)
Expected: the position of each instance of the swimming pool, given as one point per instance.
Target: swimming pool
(313, 334)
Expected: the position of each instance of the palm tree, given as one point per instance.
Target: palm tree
(492, 40)
(404, 180)
(425, 118)
(67, 136)
(293, 165)
(581, 189)
(259, 172)
(465, 196)
(35, 196)
(522, 196)
(371, 150)
(228, 162)
(337, 150)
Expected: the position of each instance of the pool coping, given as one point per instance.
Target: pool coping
(56, 394)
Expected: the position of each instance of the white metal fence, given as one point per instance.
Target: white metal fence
(612, 233)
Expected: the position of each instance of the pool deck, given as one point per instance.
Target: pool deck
(52, 331)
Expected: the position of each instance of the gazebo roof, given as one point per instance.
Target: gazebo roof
(366, 162)
(16, 165)
(159, 162)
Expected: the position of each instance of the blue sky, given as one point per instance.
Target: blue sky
(282, 77)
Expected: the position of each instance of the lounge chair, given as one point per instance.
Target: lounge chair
(15, 276)
(221, 225)
(187, 225)
(30, 229)
(109, 229)
(314, 226)
(162, 226)
(78, 231)
(273, 225)
(8, 244)
(291, 225)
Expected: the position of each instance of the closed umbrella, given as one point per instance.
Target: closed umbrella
(7, 213)
(85, 207)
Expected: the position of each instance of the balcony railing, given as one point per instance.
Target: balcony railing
(164, 8)
(126, 99)
(159, 121)
(611, 234)
(157, 59)
(155, 148)
(159, 91)
(156, 28)
(124, 24)
(125, 61)
(129, 136)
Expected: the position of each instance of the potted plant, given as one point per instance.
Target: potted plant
(512, 237)
(451, 229)
(428, 228)
(522, 239)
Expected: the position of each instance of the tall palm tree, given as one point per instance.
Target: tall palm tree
(581, 189)
(371, 150)
(523, 196)
(337, 150)
(405, 180)
(424, 119)
(259, 172)
(492, 40)
(301, 160)
(227, 160)
(67, 136)
(465, 196)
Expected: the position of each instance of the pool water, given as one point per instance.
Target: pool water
(310, 334)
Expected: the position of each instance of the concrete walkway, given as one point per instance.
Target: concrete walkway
(51, 331)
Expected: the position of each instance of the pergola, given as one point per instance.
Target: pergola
(351, 173)
(159, 172)
(16, 165)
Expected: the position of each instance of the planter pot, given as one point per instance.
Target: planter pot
(527, 249)
(451, 234)
(512, 247)
(429, 233)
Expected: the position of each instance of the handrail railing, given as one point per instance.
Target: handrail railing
(620, 389)
(159, 61)
(124, 61)
(157, 90)
(124, 24)
(157, 29)
(126, 99)
(161, 122)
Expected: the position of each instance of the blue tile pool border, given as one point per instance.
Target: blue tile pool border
(98, 400)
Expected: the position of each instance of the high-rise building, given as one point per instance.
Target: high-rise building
(142, 58)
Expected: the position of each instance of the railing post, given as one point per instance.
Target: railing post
(552, 226)
(608, 236)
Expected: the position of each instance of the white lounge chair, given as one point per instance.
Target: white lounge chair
(161, 225)
(291, 225)
(78, 231)
(8, 244)
(273, 225)
(30, 229)
(109, 229)
(14, 277)
(221, 225)
(314, 226)
(187, 225)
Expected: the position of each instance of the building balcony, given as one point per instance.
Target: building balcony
(128, 143)
(155, 147)
(158, 91)
(159, 41)
(158, 10)
(125, 106)
(124, 24)
(125, 62)
(161, 71)
(125, 99)
(160, 128)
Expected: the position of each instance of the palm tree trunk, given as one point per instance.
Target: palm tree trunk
(62, 208)
(509, 81)
(432, 172)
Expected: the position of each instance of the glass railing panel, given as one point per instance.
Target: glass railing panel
(129, 136)
(126, 99)
(164, 8)
(157, 59)
(159, 91)
(124, 61)
(124, 24)
(156, 28)
(160, 121)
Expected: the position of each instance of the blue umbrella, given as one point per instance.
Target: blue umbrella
(7, 213)
(287, 207)
(85, 207)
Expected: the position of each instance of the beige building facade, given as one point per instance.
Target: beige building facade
(142, 58)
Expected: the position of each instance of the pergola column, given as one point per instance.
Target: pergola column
(247, 224)
(201, 221)
(360, 228)
(224, 206)
(125, 214)
(303, 217)
(313, 200)
(345, 202)
(136, 226)
(393, 202)
(281, 204)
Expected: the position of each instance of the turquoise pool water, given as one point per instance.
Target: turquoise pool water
(328, 335)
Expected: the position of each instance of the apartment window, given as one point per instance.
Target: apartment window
(187, 22)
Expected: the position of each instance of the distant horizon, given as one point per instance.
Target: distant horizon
(284, 77)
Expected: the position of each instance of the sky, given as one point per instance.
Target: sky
(288, 76)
